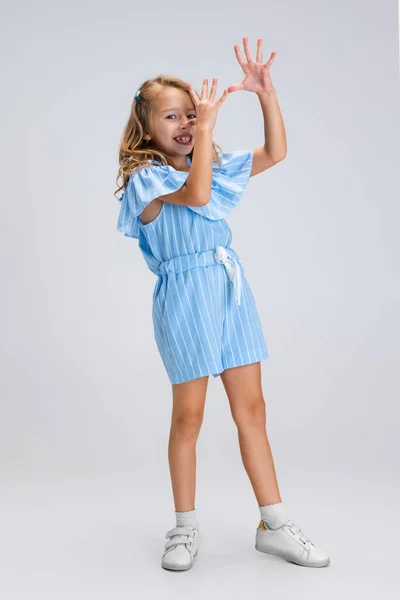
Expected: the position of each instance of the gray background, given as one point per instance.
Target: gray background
(85, 411)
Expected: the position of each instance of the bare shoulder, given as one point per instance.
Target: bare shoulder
(262, 161)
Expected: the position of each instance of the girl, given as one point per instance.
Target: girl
(177, 189)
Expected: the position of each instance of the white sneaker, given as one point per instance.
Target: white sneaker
(290, 543)
(181, 548)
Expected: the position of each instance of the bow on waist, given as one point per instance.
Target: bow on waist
(221, 255)
(232, 267)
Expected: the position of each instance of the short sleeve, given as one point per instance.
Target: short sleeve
(229, 181)
(142, 187)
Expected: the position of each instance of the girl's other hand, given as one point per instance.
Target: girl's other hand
(257, 73)
(206, 108)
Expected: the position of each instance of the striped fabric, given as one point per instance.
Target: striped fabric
(199, 327)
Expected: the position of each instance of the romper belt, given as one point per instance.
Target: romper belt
(225, 256)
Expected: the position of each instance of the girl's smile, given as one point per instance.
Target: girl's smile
(184, 140)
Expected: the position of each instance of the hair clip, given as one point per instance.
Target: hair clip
(137, 96)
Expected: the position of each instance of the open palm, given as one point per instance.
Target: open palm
(257, 77)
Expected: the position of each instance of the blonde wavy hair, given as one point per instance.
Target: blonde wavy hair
(134, 151)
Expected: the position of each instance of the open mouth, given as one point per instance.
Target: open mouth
(184, 140)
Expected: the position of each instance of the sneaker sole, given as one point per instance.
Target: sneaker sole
(180, 567)
(297, 561)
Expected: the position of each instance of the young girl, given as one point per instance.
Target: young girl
(177, 189)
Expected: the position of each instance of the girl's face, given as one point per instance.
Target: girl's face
(173, 115)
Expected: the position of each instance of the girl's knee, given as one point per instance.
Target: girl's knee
(250, 413)
(189, 421)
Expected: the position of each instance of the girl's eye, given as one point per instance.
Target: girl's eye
(174, 115)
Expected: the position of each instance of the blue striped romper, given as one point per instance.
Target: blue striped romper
(204, 314)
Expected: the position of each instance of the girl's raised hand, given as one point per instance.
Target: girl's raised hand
(257, 77)
(206, 108)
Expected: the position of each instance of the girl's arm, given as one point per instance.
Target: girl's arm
(275, 146)
(257, 78)
(198, 182)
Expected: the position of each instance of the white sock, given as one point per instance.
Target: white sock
(274, 515)
(186, 519)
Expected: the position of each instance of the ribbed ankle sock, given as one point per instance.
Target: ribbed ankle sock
(273, 515)
(186, 519)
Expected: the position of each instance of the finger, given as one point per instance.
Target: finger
(270, 60)
(259, 57)
(204, 89)
(223, 97)
(193, 94)
(239, 55)
(213, 88)
(235, 87)
(247, 49)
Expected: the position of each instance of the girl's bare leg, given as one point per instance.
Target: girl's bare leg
(243, 388)
(186, 420)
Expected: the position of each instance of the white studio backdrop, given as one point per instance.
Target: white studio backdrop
(86, 403)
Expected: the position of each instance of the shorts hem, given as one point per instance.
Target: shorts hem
(238, 360)
(197, 375)
(228, 362)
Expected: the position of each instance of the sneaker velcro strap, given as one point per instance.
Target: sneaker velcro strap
(179, 531)
(177, 540)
